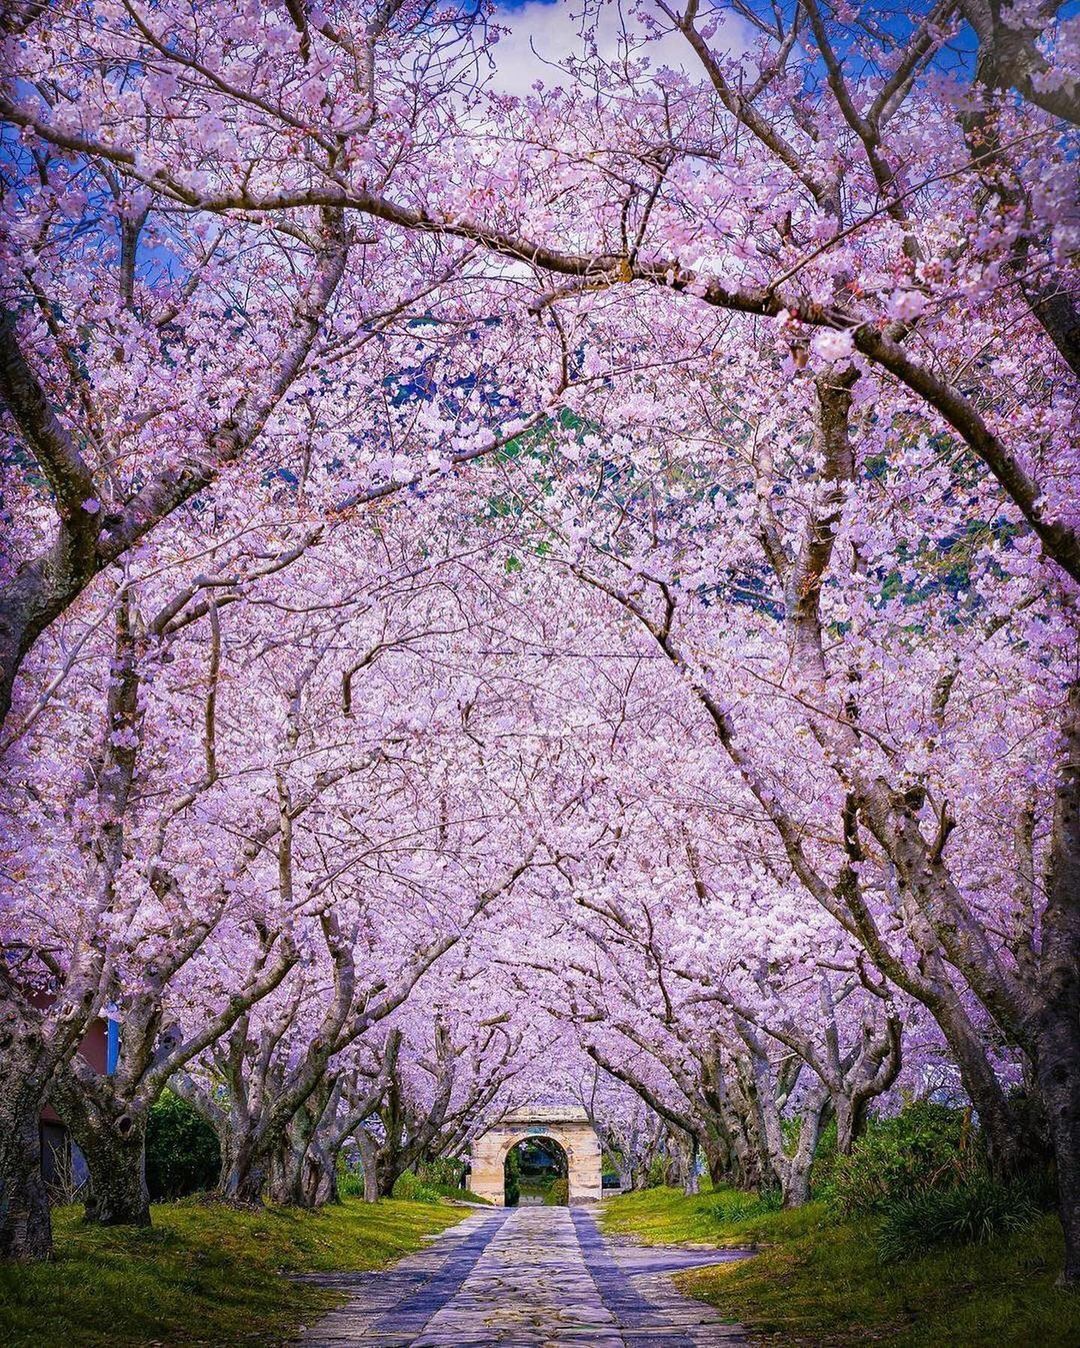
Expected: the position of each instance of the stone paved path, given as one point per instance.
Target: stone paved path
(535, 1277)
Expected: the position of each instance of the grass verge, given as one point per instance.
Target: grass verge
(202, 1274)
(817, 1280)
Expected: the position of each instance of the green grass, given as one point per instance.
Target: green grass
(817, 1279)
(202, 1274)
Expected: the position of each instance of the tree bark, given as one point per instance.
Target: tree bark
(243, 1170)
(369, 1153)
(795, 1174)
(689, 1156)
(284, 1183)
(388, 1168)
(114, 1145)
(117, 1163)
(303, 1176)
(1059, 1083)
(848, 1125)
(320, 1184)
(1056, 1028)
(25, 1221)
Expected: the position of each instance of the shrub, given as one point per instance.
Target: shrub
(512, 1178)
(412, 1188)
(924, 1147)
(350, 1179)
(444, 1173)
(971, 1213)
(558, 1193)
(182, 1152)
(657, 1175)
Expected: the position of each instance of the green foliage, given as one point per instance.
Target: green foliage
(444, 1173)
(204, 1273)
(512, 1177)
(182, 1152)
(971, 1213)
(350, 1178)
(658, 1173)
(924, 1147)
(434, 1182)
(558, 1193)
(413, 1189)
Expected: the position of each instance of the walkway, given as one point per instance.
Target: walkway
(534, 1277)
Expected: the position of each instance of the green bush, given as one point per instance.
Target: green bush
(444, 1173)
(512, 1178)
(657, 1176)
(924, 1147)
(350, 1179)
(970, 1214)
(413, 1189)
(558, 1193)
(182, 1152)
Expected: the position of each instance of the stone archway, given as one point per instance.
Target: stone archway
(569, 1126)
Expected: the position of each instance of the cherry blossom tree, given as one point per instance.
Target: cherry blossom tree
(728, 707)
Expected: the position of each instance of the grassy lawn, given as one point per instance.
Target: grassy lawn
(818, 1280)
(201, 1274)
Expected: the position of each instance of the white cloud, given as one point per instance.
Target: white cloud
(542, 34)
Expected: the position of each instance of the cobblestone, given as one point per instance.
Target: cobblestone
(533, 1277)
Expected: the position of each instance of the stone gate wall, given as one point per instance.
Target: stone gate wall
(568, 1126)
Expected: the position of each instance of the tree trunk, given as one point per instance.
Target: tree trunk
(320, 1184)
(1059, 1084)
(795, 1186)
(284, 1183)
(371, 1187)
(25, 1221)
(690, 1170)
(382, 1164)
(1009, 1145)
(387, 1170)
(795, 1177)
(116, 1158)
(369, 1154)
(718, 1160)
(243, 1171)
(845, 1126)
(795, 1170)
(319, 1175)
(850, 1122)
(1057, 1020)
(303, 1178)
(112, 1139)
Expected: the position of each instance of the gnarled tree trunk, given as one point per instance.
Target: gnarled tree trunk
(117, 1163)
(244, 1172)
(114, 1147)
(1056, 1027)
(25, 1223)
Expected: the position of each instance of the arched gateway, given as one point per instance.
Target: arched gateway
(569, 1126)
